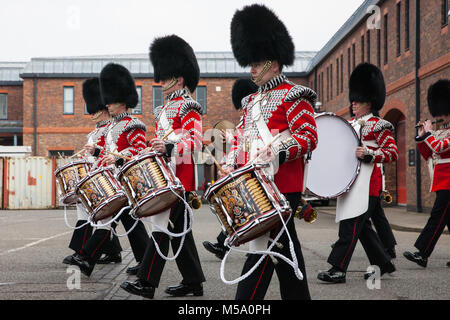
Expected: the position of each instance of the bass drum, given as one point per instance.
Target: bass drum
(333, 167)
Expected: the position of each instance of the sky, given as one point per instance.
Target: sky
(55, 28)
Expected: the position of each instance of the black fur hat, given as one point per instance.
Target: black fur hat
(439, 98)
(171, 56)
(257, 34)
(91, 95)
(242, 88)
(118, 86)
(367, 85)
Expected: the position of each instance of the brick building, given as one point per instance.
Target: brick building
(11, 95)
(407, 39)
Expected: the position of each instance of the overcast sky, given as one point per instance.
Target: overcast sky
(52, 28)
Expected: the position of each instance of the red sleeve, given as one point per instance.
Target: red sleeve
(191, 132)
(300, 117)
(387, 152)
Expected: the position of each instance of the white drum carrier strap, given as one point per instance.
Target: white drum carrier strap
(356, 201)
(260, 245)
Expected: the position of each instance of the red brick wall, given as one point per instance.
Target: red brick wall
(68, 132)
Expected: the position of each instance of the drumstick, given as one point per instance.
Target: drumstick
(74, 155)
(215, 161)
(267, 146)
(164, 137)
(118, 155)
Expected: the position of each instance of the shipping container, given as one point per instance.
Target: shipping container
(28, 183)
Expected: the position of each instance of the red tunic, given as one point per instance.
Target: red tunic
(125, 135)
(184, 116)
(436, 146)
(286, 107)
(377, 135)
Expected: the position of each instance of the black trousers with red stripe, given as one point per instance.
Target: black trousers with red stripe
(439, 218)
(82, 235)
(255, 286)
(100, 241)
(188, 261)
(359, 228)
(383, 228)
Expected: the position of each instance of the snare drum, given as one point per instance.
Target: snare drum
(333, 167)
(247, 203)
(67, 178)
(150, 184)
(101, 194)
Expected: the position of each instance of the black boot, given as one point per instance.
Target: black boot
(110, 258)
(417, 258)
(86, 267)
(334, 275)
(215, 248)
(389, 267)
(185, 289)
(139, 287)
(134, 270)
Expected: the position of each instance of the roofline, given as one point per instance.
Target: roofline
(348, 27)
(149, 75)
(11, 83)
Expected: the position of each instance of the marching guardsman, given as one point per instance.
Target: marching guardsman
(124, 136)
(434, 146)
(99, 114)
(355, 208)
(260, 40)
(242, 88)
(177, 69)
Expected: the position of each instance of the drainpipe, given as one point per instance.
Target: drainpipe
(417, 93)
(35, 115)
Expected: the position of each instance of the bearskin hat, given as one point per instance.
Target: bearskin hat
(118, 86)
(171, 56)
(242, 88)
(257, 34)
(439, 98)
(92, 97)
(367, 85)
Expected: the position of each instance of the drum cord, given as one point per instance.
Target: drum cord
(99, 225)
(264, 253)
(67, 221)
(187, 210)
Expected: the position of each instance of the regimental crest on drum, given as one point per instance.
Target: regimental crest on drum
(245, 199)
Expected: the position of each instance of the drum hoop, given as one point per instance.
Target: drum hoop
(107, 200)
(67, 165)
(358, 167)
(232, 175)
(135, 160)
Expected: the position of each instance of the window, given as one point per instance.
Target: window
(331, 82)
(321, 85)
(3, 106)
(337, 77)
(368, 45)
(157, 97)
(342, 73)
(200, 95)
(386, 53)
(68, 100)
(362, 48)
(406, 25)
(399, 7)
(328, 83)
(138, 108)
(62, 153)
(379, 47)
(349, 69)
(353, 56)
(444, 13)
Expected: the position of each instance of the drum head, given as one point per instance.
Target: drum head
(333, 166)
